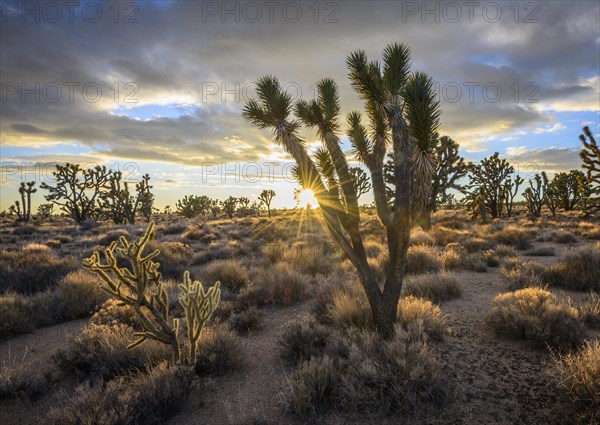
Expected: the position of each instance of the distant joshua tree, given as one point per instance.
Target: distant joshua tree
(265, 198)
(23, 209)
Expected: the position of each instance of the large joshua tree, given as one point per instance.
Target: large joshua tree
(404, 116)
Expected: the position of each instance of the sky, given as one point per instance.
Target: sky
(158, 86)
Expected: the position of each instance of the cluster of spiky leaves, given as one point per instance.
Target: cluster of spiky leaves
(120, 205)
(590, 155)
(140, 286)
(492, 175)
(23, 209)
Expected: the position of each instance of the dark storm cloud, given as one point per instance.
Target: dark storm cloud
(176, 52)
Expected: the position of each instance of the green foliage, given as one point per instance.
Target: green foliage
(590, 155)
(535, 196)
(45, 211)
(141, 287)
(360, 180)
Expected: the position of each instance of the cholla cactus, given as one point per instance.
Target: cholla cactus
(141, 288)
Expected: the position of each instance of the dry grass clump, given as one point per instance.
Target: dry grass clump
(419, 237)
(101, 351)
(246, 321)
(281, 284)
(28, 272)
(221, 351)
(173, 257)
(579, 374)
(589, 310)
(564, 237)
(514, 236)
(230, 273)
(521, 274)
(535, 314)
(17, 380)
(436, 287)
(77, 296)
(579, 271)
(413, 310)
(503, 251)
(302, 339)
(148, 397)
(114, 312)
(310, 387)
(173, 229)
(274, 251)
(542, 251)
(373, 376)
(348, 307)
(444, 235)
(16, 315)
(109, 237)
(374, 248)
(34, 246)
(422, 259)
(308, 259)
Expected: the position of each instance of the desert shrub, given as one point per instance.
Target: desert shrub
(443, 235)
(542, 251)
(28, 272)
(373, 248)
(514, 236)
(247, 320)
(579, 271)
(521, 274)
(53, 243)
(114, 312)
(34, 246)
(349, 307)
(18, 380)
(149, 398)
(436, 287)
(109, 237)
(303, 339)
(16, 315)
(309, 259)
(503, 251)
(310, 387)
(561, 236)
(453, 255)
(173, 257)
(535, 314)
(476, 244)
(221, 351)
(413, 311)
(283, 284)
(422, 259)
(78, 295)
(579, 374)
(589, 310)
(253, 295)
(101, 351)
(274, 251)
(230, 273)
(173, 229)
(421, 238)
(398, 375)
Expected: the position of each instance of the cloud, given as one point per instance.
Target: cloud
(550, 129)
(551, 160)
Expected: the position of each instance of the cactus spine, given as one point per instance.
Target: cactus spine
(141, 288)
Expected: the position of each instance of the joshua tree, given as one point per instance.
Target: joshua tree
(590, 155)
(266, 197)
(193, 206)
(566, 187)
(551, 198)
(229, 205)
(76, 189)
(244, 208)
(120, 205)
(215, 207)
(25, 190)
(360, 180)
(45, 210)
(511, 189)
(491, 174)
(404, 115)
(535, 196)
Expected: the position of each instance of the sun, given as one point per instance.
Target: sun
(306, 197)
